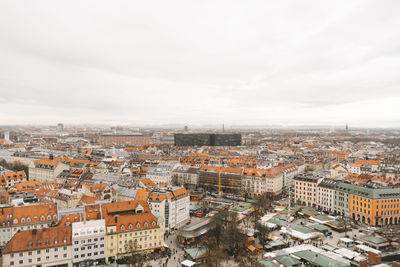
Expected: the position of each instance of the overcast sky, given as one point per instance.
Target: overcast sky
(200, 62)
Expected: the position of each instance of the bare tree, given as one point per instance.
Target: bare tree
(263, 233)
(134, 257)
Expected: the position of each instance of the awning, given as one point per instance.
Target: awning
(188, 263)
(165, 245)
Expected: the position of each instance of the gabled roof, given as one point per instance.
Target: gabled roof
(39, 239)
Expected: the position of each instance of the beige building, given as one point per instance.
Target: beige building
(45, 170)
(130, 226)
(305, 190)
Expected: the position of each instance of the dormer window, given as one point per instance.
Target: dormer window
(15, 220)
(48, 217)
(39, 243)
(130, 226)
(146, 224)
(42, 218)
(47, 242)
(65, 240)
(55, 217)
(22, 220)
(55, 241)
(153, 223)
(122, 227)
(138, 225)
(30, 244)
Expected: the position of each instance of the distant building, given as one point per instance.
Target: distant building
(124, 139)
(206, 139)
(46, 170)
(60, 127)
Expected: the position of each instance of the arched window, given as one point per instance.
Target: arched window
(15, 220)
(28, 219)
(146, 224)
(130, 226)
(138, 225)
(153, 223)
(49, 217)
(22, 220)
(55, 217)
(42, 218)
(122, 227)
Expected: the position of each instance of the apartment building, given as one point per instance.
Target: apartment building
(262, 181)
(46, 170)
(9, 179)
(186, 175)
(341, 199)
(162, 173)
(171, 204)
(130, 226)
(305, 190)
(325, 195)
(228, 179)
(39, 247)
(124, 139)
(88, 243)
(20, 218)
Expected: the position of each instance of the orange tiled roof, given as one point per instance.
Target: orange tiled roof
(148, 182)
(39, 239)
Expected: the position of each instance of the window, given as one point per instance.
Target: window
(47, 258)
(65, 255)
(30, 253)
(38, 259)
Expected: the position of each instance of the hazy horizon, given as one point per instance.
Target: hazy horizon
(200, 63)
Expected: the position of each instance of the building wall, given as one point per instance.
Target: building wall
(88, 241)
(341, 203)
(375, 211)
(148, 239)
(44, 257)
(132, 140)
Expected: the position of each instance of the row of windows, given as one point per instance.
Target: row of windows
(89, 247)
(20, 262)
(89, 254)
(153, 223)
(76, 242)
(38, 252)
(42, 218)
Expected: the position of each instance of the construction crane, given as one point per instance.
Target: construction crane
(219, 172)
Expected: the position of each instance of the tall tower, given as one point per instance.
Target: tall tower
(223, 128)
(347, 127)
(6, 137)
